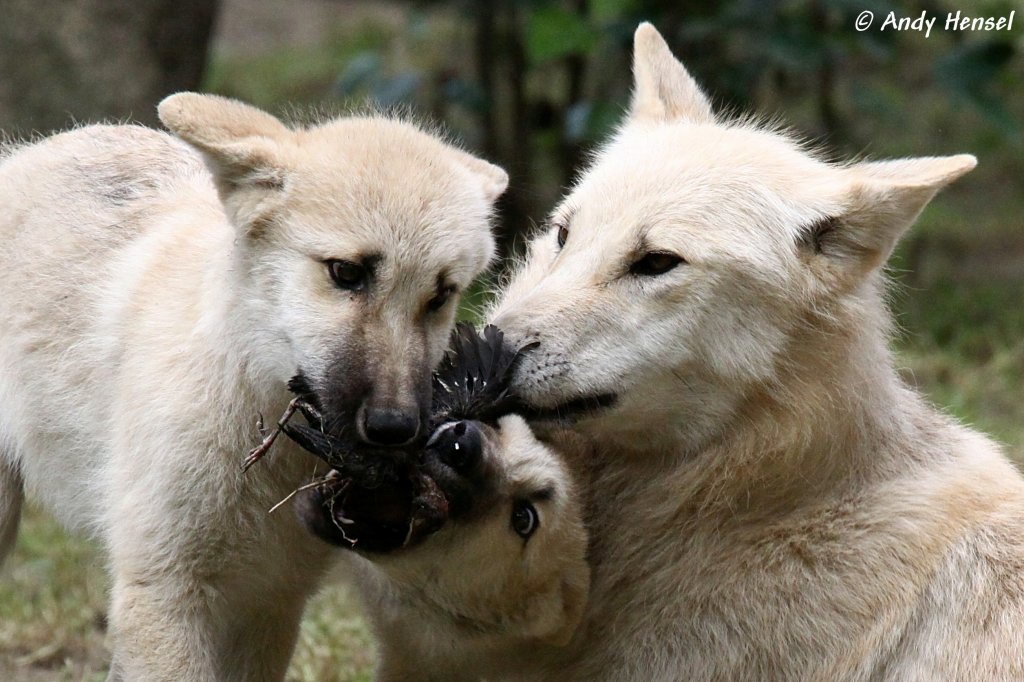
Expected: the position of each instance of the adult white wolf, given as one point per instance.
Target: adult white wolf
(152, 304)
(769, 501)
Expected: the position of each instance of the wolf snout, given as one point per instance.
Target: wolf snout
(458, 445)
(389, 426)
(453, 458)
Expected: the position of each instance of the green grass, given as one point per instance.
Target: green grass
(53, 628)
(52, 596)
(959, 302)
(963, 345)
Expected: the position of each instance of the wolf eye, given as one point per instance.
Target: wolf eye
(440, 299)
(563, 234)
(348, 275)
(524, 519)
(655, 263)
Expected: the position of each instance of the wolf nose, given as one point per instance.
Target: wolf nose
(390, 427)
(458, 444)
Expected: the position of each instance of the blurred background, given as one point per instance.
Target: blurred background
(533, 85)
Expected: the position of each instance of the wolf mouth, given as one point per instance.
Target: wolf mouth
(571, 410)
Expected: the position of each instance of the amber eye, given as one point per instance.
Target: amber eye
(524, 519)
(655, 263)
(442, 297)
(563, 234)
(348, 275)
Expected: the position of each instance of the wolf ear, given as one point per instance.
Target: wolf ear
(493, 180)
(884, 199)
(663, 90)
(239, 142)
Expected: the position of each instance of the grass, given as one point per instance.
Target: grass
(972, 369)
(52, 597)
(958, 301)
(53, 627)
(963, 345)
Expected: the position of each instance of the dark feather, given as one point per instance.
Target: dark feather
(387, 498)
(473, 381)
(314, 441)
(299, 386)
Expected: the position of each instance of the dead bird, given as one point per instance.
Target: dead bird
(382, 499)
(504, 574)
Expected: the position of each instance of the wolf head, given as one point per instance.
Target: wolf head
(685, 261)
(510, 565)
(354, 239)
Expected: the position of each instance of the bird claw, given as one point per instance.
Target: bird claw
(257, 453)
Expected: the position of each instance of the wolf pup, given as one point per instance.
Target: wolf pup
(769, 500)
(159, 291)
(504, 581)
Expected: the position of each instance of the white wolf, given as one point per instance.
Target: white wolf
(768, 500)
(158, 292)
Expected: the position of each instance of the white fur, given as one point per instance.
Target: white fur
(768, 500)
(157, 294)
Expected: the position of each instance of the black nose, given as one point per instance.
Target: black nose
(458, 444)
(390, 427)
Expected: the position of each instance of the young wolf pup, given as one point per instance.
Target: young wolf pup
(505, 579)
(501, 584)
(159, 291)
(770, 500)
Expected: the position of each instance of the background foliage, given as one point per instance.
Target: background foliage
(534, 85)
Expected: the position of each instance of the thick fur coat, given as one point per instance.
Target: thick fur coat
(157, 294)
(768, 500)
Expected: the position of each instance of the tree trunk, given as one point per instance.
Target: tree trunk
(87, 60)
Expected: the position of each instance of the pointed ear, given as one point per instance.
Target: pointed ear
(663, 90)
(239, 142)
(493, 179)
(885, 198)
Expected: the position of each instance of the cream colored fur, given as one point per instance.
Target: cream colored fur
(157, 293)
(768, 499)
(477, 600)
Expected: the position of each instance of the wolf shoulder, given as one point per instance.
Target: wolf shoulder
(87, 210)
(969, 618)
(92, 175)
(966, 624)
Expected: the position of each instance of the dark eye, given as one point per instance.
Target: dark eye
(524, 519)
(655, 263)
(348, 275)
(440, 299)
(563, 234)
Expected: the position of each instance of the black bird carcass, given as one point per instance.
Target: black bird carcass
(380, 500)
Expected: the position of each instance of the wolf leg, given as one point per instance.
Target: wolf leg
(206, 585)
(11, 497)
(202, 631)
